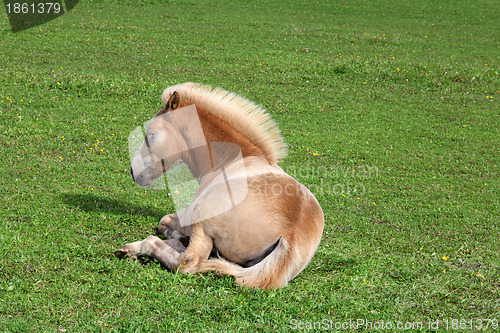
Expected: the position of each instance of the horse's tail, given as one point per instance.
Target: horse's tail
(290, 256)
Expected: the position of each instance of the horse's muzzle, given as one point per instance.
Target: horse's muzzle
(132, 174)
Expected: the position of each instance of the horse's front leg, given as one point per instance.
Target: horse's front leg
(171, 253)
(167, 252)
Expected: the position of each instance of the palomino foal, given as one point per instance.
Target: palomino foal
(263, 224)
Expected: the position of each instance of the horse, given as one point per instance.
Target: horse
(249, 218)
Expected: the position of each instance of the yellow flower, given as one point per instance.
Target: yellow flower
(445, 258)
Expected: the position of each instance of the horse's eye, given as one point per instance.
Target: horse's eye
(149, 138)
(147, 160)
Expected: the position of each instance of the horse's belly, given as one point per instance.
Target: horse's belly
(250, 228)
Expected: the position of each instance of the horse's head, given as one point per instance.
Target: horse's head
(162, 147)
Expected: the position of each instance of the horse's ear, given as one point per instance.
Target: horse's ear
(173, 102)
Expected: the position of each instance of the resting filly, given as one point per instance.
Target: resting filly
(264, 225)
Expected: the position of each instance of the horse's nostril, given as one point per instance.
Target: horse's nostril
(132, 173)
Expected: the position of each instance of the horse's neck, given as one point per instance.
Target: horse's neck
(216, 130)
(213, 144)
(213, 158)
(199, 161)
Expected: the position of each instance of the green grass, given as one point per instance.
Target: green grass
(390, 110)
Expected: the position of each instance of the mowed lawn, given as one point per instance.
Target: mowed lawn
(389, 108)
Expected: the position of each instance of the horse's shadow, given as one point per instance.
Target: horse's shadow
(95, 204)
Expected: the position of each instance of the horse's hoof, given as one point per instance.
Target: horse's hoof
(130, 251)
(120, 254)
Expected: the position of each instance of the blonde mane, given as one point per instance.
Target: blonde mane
(247, 117)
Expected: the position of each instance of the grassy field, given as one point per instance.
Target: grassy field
(390, 109)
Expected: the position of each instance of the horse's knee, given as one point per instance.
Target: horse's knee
(164, 223)
(167, 225)
(189, 264)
